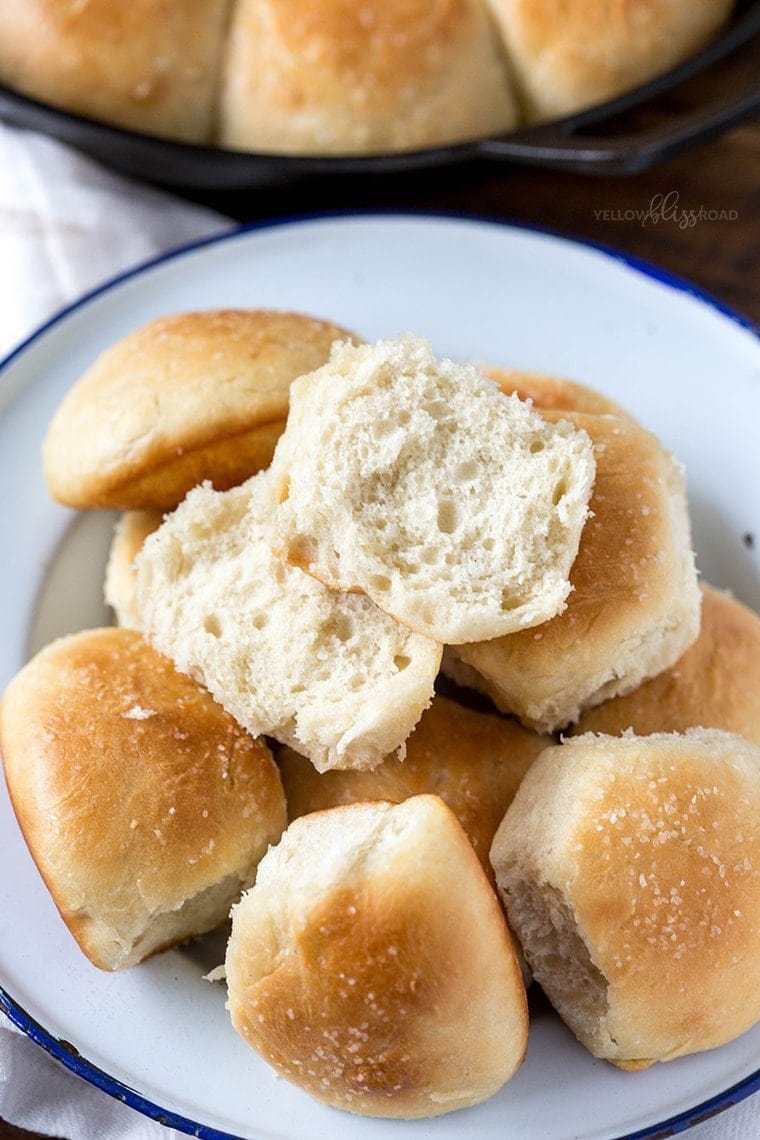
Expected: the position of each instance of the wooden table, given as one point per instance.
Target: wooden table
(721, 256)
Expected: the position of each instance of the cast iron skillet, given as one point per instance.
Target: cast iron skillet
(574, 143)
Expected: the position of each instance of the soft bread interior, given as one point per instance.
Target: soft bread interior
(635, 603)
(327, 673)
(457, 509)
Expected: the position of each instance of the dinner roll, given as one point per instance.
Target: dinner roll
(472, 760)
(456, 509)
(566, 55)
(634, 605)
(371, 965)
(150, 65)
(336, 77)
(130, 533)
(327, 673)
(144, 805)
(552, 392)
(630, 871)
(185, 398)
(715, 684)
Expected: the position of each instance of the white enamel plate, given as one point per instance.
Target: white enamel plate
(158, 1035)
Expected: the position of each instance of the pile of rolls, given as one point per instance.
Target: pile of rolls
(293, 77)
(413, 674)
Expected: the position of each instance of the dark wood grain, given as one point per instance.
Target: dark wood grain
(649, 216)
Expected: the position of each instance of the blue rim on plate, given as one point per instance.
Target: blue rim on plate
(62, 1050)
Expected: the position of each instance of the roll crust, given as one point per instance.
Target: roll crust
(715, 684)
(150, 65)
(474, 761)
(184, 398)
(553, 393)
(334, 77)
(144, 805)
(630, 871)
(331, 77)
(130, 533)
(353, 970)
(566, 55)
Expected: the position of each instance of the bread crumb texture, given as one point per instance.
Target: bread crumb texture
(630, 869)
(457, 509)
(634, 605)
(325, 672)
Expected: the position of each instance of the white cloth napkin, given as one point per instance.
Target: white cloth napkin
(66, 225)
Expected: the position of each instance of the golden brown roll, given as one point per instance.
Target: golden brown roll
(630, 871)
(333, 76)
(634, 605)
(185, 398)
(474, 761)
(150, 65)
(715, 684)
(371, 965)
(129, 535)
(144, 805)
(553, 393)
(566, 55)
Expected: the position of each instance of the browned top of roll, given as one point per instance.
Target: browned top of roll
(371, 966)
(630, 868)
(334, 76)
(553, 393)
(184, 398)
(474, 761)
(714, 684)
(569, 54)
(150, 65)
(135, 791)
